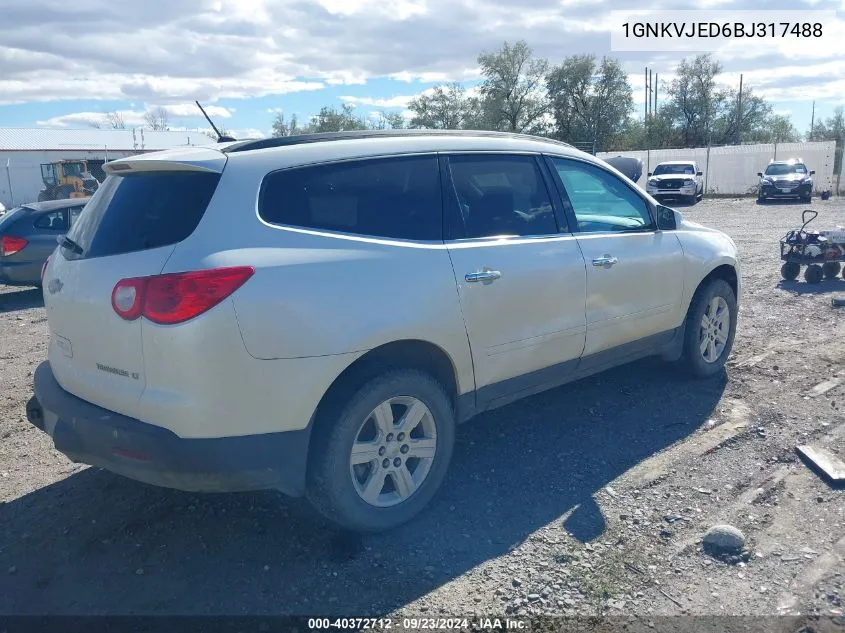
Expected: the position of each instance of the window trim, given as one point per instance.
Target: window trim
(347, 234)
(449, 195)
(570, 210)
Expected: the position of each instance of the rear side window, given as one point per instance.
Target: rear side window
(499, 195)
(396, 197)
(136, 212)
(55, 221)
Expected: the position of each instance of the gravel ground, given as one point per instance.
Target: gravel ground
(589, 499)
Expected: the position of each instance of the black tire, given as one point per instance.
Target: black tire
(813, 274)
(330, 487)
(761, 200)
(790, 271)
(831, 270)
(692, 199)
(807, 199)
(692, 358)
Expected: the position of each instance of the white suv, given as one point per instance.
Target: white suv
(315, 314)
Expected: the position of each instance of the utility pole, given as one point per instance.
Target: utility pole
(645, 114)
(812, 120)
(739, 114)
(654, 109)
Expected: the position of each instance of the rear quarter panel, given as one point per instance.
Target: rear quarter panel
(315, 294)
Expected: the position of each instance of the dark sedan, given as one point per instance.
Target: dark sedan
(28, 236)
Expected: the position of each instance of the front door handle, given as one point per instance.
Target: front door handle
(484, 276)
(605, 261)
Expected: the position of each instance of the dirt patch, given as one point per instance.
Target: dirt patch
(588, 499)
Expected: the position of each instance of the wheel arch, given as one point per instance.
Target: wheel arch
(402, 354)
(727, 272)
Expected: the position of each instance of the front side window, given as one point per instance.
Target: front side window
(600, 200)
(395, 197)
(499, 195)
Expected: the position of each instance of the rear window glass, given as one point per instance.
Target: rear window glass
(135, 212)
(10, 216)
(386, 197)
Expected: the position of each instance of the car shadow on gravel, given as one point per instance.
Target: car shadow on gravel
(21, 300)
(97, 543)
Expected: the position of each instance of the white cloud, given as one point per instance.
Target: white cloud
(191, 110)
(170, 53)
(134, 118)
(389, 102)
(131, 118)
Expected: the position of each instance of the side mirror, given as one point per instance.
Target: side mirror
(812, 172)
(759, 174)
(699, 173)
(649, 174)
(666, 218)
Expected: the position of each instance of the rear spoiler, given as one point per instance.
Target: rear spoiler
(199, 159)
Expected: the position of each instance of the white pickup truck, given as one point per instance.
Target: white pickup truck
(676, 179)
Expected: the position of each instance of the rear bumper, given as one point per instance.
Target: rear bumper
(19, 274)
(92, 435)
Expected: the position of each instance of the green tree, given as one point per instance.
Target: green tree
(389, 121)
(281, 127)
(693, 101)
(330, 119)
(832, 129)
(590, 100)
(513, 96)
(755, 117)
(447, 107)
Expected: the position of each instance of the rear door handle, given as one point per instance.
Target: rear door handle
(605, 261)
(484, 276)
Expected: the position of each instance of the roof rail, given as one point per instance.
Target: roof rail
(300, 139)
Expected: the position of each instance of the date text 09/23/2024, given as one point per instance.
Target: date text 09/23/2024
(417, 624)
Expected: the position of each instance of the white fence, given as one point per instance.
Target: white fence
(732, 170)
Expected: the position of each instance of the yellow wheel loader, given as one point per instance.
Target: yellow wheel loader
(67, 179)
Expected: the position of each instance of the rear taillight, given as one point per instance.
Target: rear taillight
(176, 297)
(10, 245)
(44, 267)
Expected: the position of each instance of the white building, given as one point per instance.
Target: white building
(24, 150)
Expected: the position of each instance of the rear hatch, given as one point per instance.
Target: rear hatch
(128, 229)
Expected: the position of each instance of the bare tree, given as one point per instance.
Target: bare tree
(95, 124)
(210, 133)
(115, 120)
(157, 119)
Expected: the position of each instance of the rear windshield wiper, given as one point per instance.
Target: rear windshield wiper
(73, 247)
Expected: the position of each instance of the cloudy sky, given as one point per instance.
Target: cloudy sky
(66, 63)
